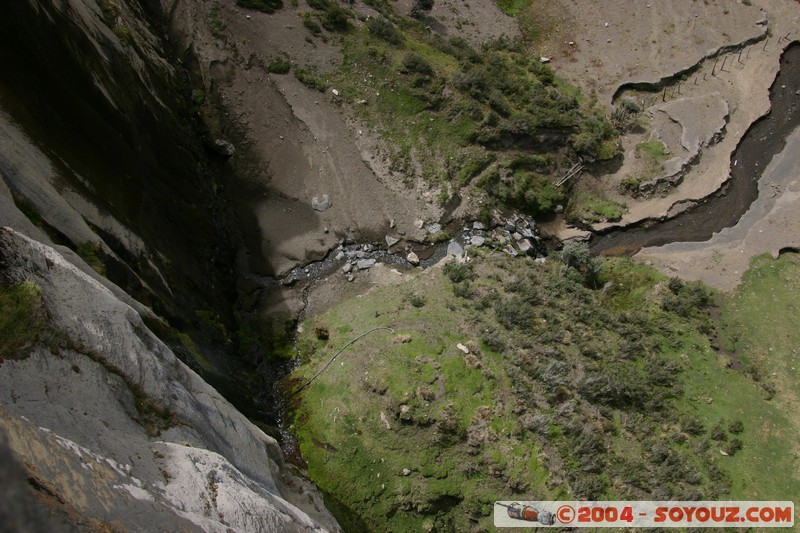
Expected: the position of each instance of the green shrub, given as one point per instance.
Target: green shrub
(91, 253)
(320, 5)
(311, 24)
(383, 29)
(686, 299)
(279, 65)
(458, 272)
(630, 105)
(463, 290)
(198, 96)
(515, 313)
(525, 190)
(576, 255)
(336, 19)
(22, 319)
(267, 6)
(630, 185)
(416, 300)
(421, 6)
(309, 77)
(415, 64)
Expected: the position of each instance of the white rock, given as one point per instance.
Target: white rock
(364, 264)
(477, 241)
(321, 203)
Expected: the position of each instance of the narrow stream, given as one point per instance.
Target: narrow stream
(724, 208)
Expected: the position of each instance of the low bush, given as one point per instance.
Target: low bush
(267, 6)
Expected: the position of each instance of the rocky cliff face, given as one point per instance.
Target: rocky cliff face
(114, 431)
(104, 175)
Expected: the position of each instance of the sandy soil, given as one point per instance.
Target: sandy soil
(652, 41)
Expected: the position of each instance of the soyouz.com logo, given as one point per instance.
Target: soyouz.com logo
(644, 514)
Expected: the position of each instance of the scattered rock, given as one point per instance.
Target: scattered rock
(477, 240)
(544, 59)
(223, 147)
(403, 339)
(340, 256)
(462, 348)
(478, 225)
(321, 203)
(419, 223)
(540, 260)
(558, 209)
(453, 248)
(472, 361)
(350, 277)
(723, 453)
(288, 280)
(391, 241)
(364, 264)
(392, 224)
(405, 472)
(434, 228)
(347, 268)
(525, 246)
(385, 420)
(335, 92)
(412, 258)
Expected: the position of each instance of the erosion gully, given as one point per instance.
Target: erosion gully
(764, 139)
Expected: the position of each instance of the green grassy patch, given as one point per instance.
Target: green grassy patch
(92, 253)
(591, 209)
(571, 389)
(763, 340)
(513, 8)
(22, 319)
(652, 149)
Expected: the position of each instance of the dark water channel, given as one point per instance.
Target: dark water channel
(724, 208)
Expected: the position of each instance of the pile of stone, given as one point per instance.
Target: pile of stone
(356, 259)
(517, 235)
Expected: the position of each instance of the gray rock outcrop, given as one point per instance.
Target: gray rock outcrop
(117, 430)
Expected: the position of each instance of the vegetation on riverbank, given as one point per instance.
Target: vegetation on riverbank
(458, 115)
(579, 382)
